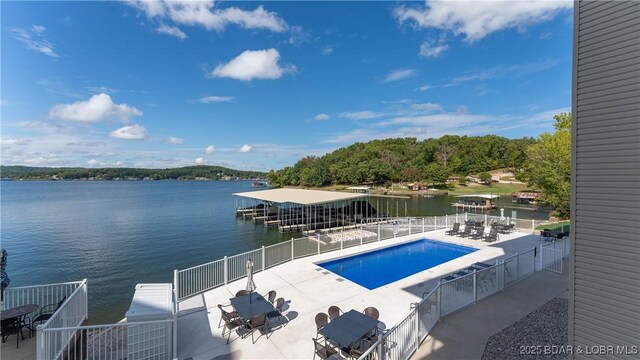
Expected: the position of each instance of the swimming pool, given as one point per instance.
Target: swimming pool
(384, 266)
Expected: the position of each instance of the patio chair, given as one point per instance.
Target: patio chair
(230, 323)
(230, 314)
(324, 351)
(260, 322)
(242, 293)
(478, 234)
(454, 230)
(322, 320)
(277, 313)
(466, 232)
(271, 296)
(12, 327)
(372, 312)
(492, 235)
(334, 312)
(46, 312)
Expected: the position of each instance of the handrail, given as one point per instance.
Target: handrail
(73, 294)
(41, 285)
(105, 326)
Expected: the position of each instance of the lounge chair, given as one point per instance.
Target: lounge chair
(324, 351)
(454, 230)
(466, 232)
(230, 323)
(46, 312)
(334, 312)
(278, 311)
(478, 234)
(372, 312)
(260, 322)
(322, 320)
(230, 314)
(242, 293)
(271, 296)
(10, 327)
(492, 235)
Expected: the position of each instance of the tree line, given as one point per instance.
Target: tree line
(405, 159)
(183, 173)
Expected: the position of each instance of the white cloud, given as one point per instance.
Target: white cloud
(175, 140)
(477, 19)
(210, 150)
(322, 117)
(171, 30)
(429, 50)
(34, 40)
(212, 99)
(130, 132)
(426, 107)
(504, 71)
(361, 115)
(93, 162)
(400, 74)
(245, 148)
(204, 13)
(327, 50)
(424, 88)
(4, 102)
(259, 64)
(97, 108)
(198, 161)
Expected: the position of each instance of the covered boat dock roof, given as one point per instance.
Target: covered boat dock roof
(482, 196)
(300, 196)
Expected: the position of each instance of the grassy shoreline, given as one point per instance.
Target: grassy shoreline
(497, 189)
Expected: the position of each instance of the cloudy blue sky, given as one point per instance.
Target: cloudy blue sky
(258, 85)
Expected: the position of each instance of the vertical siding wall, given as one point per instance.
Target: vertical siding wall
(605, 299)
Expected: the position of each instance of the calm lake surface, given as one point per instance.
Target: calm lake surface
(119, 234)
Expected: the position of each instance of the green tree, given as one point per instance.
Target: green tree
(436, 173)
(485, 177)
(548, 166)
(462, 181)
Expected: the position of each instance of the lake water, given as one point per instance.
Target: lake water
(118, 234)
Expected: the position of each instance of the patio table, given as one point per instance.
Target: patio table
(251, 305)
(348, 328)
(18, 311)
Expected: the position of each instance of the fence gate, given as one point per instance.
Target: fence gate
(551, 259)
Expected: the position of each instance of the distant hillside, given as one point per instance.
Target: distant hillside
(395, 160)
(183, 173)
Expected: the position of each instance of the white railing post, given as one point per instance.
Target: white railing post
(423, 224)
(40, 343)
(435, 223)
(291, 249)
(379, 237)
(466, 216)
(409, 226)
(486, 219)
(225, 271)
(475, 287)
(176, 292)
(446, 221)
(341, 243)
(264, 264)
(318, 243)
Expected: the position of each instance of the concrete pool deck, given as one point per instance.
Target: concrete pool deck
(309, 289)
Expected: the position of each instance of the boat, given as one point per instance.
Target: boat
(525, 197)
(259, 184)
(475, 202)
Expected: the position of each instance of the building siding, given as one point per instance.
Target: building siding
(604, 307)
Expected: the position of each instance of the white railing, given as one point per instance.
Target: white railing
(73, 312)
(138, 340)
(198, 279)
(403, 340)
(552, 254)
(40, 295)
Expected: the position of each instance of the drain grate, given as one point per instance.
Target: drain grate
(326, 272)
(340, 279)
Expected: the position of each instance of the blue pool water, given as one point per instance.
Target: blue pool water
(384, 266)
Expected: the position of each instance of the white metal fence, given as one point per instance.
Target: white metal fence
(553, 254)
(73, 312)
(198, 279)
(140, 341)
(402, 340)
(40, 295)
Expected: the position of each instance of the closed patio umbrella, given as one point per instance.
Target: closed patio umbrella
(251, 285)
(4, 278)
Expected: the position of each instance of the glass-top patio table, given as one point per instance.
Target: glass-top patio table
(349, 328)
(248, 306)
